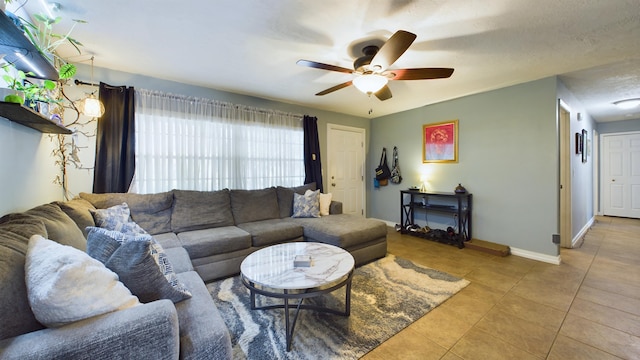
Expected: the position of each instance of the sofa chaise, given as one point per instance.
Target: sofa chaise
(205, 234)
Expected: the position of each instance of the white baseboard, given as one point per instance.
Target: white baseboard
(389, 223)
(536, 256)
(575, 242)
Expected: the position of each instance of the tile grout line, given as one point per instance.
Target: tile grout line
(555, 338)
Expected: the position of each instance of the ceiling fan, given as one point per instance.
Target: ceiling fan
(371, 72)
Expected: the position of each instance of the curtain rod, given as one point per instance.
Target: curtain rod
(220, 103)
(80, 82)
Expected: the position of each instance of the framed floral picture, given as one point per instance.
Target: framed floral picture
(440, 142)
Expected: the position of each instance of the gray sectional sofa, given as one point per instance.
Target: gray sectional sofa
(206, 235)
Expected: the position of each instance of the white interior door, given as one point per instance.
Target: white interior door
(346, 160)
(621, 174)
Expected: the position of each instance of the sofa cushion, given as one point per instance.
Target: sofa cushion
(193, 210)
(254, 205)
(60, 227)
(268, 232)
(203, 332)
(180, 260)
(15, 312)
(307, 205)
(65, 285)
(140, 262)
(285, 197)
(206, 242)
(168, 240)
(78, 210)
(344, 230)
(117, 218)
(151, 211)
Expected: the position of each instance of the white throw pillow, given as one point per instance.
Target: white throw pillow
(325, 202)
(65, 285)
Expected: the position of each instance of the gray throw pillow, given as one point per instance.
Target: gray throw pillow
(307, 205)
(140, 262)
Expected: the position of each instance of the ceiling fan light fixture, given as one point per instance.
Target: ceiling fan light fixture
(627, 103)
(370, 83)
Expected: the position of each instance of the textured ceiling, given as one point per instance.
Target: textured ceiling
(251, 46)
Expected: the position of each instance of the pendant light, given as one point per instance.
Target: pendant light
(91, 106)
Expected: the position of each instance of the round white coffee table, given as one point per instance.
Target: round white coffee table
(271, 272)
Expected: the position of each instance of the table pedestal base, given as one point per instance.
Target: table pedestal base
(286, 295)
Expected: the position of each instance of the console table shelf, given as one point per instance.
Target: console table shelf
(27, 117)
(459, 205)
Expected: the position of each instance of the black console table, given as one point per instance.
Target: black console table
(459, 205)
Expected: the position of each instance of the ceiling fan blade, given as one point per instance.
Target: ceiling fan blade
(317, 65)
(334, 88)
(384, 93)
(392, 50)
(421, 73)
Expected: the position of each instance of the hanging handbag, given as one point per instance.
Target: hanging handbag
(396, 178)
(382, 171)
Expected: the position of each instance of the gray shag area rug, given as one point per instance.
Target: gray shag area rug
(387, 295)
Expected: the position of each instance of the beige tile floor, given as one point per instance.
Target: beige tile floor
(586, 308)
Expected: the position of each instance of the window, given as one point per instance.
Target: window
(200, 144)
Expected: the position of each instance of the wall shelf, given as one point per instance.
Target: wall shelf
(13, 40)
(27, 117)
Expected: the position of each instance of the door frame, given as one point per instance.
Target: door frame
(565, 177)
(595, 150)
(363, 133)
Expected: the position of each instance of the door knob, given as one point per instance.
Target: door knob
(614, 180)
(333, 184)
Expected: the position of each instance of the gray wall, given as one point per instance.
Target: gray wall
(508, 160)
(28, 170)
(619, 126)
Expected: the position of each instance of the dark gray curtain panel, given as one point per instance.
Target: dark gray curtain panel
(115, 140)
(312, 164)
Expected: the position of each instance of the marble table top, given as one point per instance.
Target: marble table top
(273, 266)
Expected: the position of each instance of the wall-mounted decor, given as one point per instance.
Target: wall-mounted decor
(584, 144)
(440, 142)
(578, 143)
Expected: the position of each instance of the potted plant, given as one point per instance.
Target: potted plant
(34, 92)
(40, 33)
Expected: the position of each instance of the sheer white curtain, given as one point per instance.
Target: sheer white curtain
(200, 144)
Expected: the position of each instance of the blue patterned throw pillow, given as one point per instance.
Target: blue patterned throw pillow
(307, 205)
(140, 262)
(117, 218)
